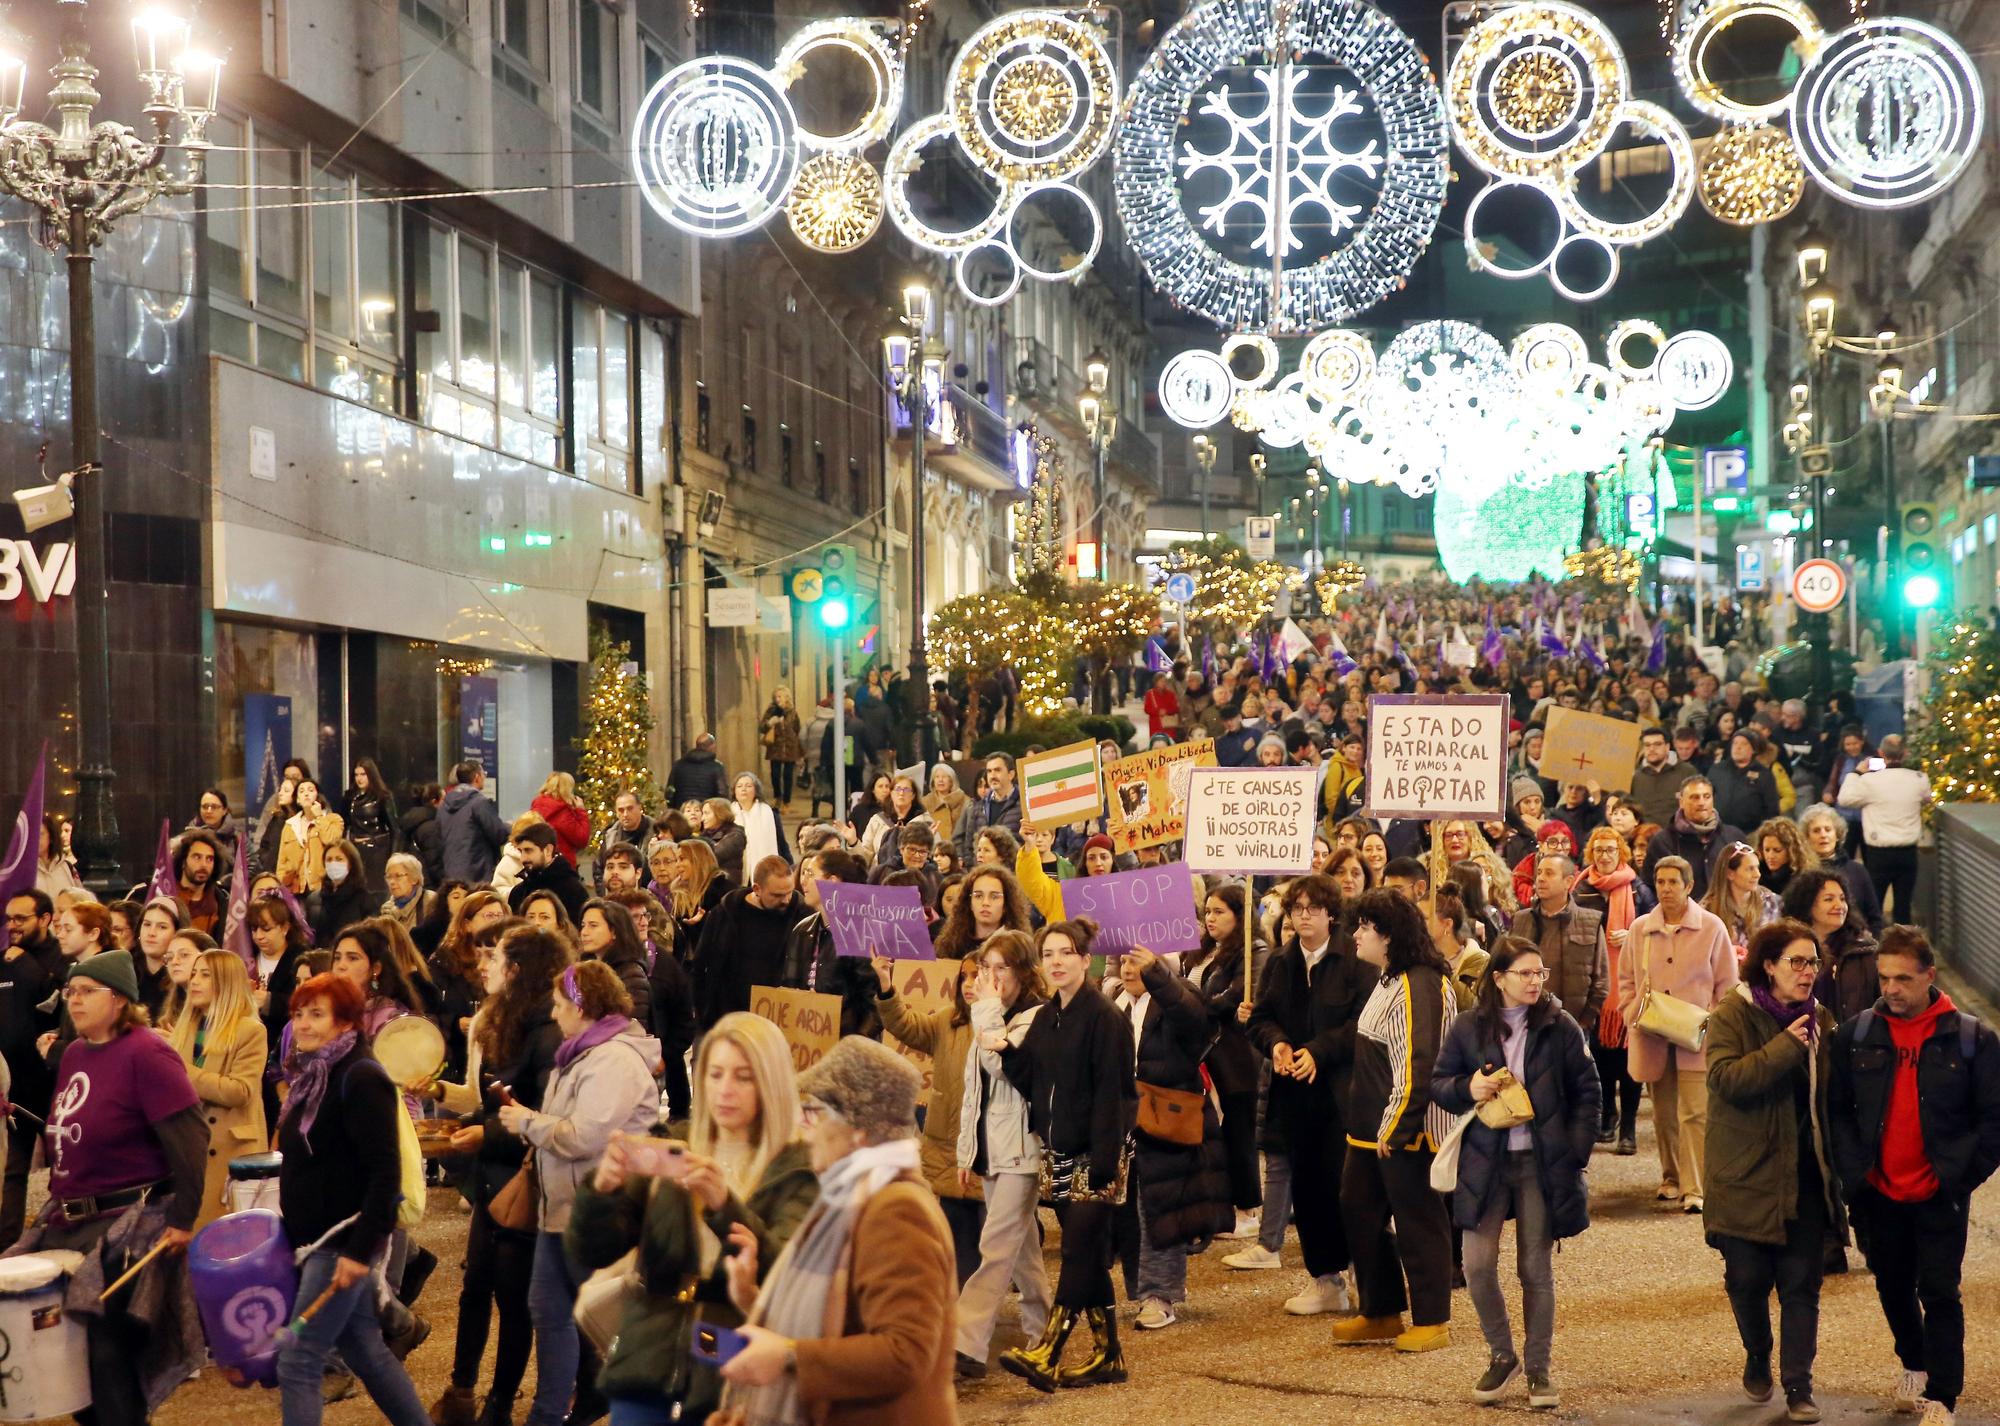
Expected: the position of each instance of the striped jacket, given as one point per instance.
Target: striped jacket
(1397, 1039)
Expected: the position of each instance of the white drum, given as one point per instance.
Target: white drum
(44, 1360)
(253, 1181)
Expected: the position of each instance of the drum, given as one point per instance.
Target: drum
(253, 1181)
(44, 1359)
(412, 1050)
(245, 1286)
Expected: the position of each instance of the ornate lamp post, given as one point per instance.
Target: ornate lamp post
(84, 177)
(906, 358)
(1100, 423)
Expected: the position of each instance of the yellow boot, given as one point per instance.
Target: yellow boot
(1368, 1329)
(1425, 1338)
(1106, 1362)
(1036, 1363)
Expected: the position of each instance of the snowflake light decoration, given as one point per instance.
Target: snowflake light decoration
(1889, 113)
(1282, 159)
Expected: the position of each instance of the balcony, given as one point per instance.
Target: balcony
(1953, 219)
(968, 439)
(1048, 384)
(1136, 452)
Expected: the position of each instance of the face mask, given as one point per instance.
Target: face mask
(336, 872)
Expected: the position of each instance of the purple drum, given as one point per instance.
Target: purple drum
(245, 1285)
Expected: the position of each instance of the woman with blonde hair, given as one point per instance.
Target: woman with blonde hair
(725, 837)
(1737, 896)
(558, 805)
(1784, 851)
(700, 886)
(1461, 841)
(455, 973)
(1609, 884)
(221, 1040)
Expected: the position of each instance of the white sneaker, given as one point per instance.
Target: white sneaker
(1936, 1413)
(1908, 1397)
(1248, 1226)
(1155, 1313)
(1255, 1258)
(1323, 1294)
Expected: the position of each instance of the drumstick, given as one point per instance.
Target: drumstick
(290, 1331)
(133, 1271)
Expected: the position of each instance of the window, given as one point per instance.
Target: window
(857, 496)
(785, 455)
(597, 60)
(521, 46)
(488, 347)
(702, 409)
(601, 393)
(655, 59)
(749, 456)
(819, 470)
(228, 215)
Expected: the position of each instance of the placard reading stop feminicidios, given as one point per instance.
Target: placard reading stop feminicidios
(1436, 756)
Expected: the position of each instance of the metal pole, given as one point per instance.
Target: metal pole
(1697, 562)
(96, 840)
(1207, 467)
(920, 670)
(1892, 603)
(839, 723)
(1821, 626)
(1097, 446)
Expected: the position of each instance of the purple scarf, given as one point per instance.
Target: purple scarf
(1784, 1014)
(589, 1038)
(308, 1071)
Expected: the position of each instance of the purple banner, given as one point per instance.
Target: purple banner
(876, 921)
(1151, 907)
(17, 873)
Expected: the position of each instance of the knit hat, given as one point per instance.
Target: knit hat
(1100, 840)
(1523, 787)
(869, 1085)
(109, 968)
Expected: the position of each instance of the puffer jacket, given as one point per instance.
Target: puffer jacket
(948, 1045)
(1184, 1190)
(1011, 1146)
(607, 1090)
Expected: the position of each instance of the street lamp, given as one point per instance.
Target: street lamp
(1204, 457)
(85, 175)
(1811, 254)
(1821, 301)
(905, 357)
(1100, 423)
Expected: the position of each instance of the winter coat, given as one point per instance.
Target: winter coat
(348, 1165)
(1074, 1067)
(230, 1081)
(1847, 984)
(742, 944)
(606, 1090)
(571, 824)
(371, 823)
(1657, 794)
(1562, 1084)
(1958, 1101)
(1694, 962)
(727, 843)
(526, 1076)
(649, 1356)
(560, 880)
(932, 1033)
(1701, 853)
(670, 992)
(302, 862)
(472, 834)
(782, 725)
(332, 909)
(1396, 1043)
(1233, 1059)
(424, 839)
(697, 775)
(1573, 948)
(945, 808)
(1185, 1195)
(1744, 796)
(1751, 1181)
(984, 812)
(1011, 1146)
(1319, 1017)
(811, 964)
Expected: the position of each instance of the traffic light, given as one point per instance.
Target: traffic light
(836, 597)
(1922, 560)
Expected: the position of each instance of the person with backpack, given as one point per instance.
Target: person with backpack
(1913, 1108)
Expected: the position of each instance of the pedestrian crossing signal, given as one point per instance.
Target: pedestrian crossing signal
(836, 598)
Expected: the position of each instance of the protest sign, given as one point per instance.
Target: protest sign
(1580, 747)
(810, 1021)
(924, 987)
(1252, 821)
(876, 920)
(1147, 793)
(1437, 755)
(1059, 787)
(1151, 907)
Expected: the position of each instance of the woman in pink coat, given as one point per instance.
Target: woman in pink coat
(1681, 950)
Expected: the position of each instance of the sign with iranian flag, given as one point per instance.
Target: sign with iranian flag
(1059, 787)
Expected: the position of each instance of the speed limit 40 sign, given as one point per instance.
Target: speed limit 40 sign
(1819, 586)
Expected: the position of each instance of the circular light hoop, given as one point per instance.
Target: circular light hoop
(1696, 370)
(1691, 54)
(836, 202)
(1549, 354)
(961, 263)
(1196, 388)
(873, 43)
(1063, 190)
(1629, 330)
(1033, 96)
(1337, 365)
(1751, 174)
(1578, 294)
(1411, 158)
(1514, 64)
(1889, 114)
(904, 158)
(1475, 253)
(1265, 348)
(1645, 408)
(715, 147)
(1598, 384)
(1651, 121)
(1283, 417)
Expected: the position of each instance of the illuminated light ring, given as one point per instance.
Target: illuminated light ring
(836, 202)
(1599, 383)
(1196, 388)
(1265, 349)
(715, 147)
(1089, 254)
(1549, 353)
(1590, 52)
(1387, 66)
(1654, 122)
(1928, 89)
(905, 157)
(873, 42)
(1404, 360)
(1337, 364)
(996, 71)
(1751, 174)
(1476, 257)
(1283, 417)
(1645, 408)
(1626, 331)
(1578, 294)
(1692, 45)
(1696, 369)
(1016, 267)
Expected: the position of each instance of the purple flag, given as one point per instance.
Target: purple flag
(1208, 660)
(1156, 658)
(236, 924)
(1342, 664)
(1587, 651)
(1553, 646)
(165, 883)
(1656, 656)
(1491, 648)
(17, 873)
(1403, 662)
(298, 914)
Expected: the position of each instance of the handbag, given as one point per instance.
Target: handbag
(1066, 1178)
(1173, 1116)
(601, 1298)
(1444, 1164)
(1672, 1019)
(1510, 1108)
(514, 1205)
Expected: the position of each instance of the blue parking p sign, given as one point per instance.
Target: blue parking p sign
(1749, 567)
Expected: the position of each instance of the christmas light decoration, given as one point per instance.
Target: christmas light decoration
(1339, 576)
(1268, 364)
(1750, 174)
(1336, 365)
(873, 44)
(1549, 354)
(1033, 95)
(715, 147)
(1232, 591)
(905, 159)
(1958, 748)
(1699, 47)
(1605, 566)
(836, 202)
(1695, 368)
(1283, 157)
(1507, 533)
(1195, 389)
(1889, 113)
(1635, 329)
(612, 747)
(1647, 121)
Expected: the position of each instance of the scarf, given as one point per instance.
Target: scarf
(1785, 1015)
(589, 1038)
(1687, 828)
(307, 1072)
(807, 1286)
(1619, 913)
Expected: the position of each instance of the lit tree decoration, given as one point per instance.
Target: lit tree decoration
(617, 725)
(1339, 576)
(1232, 591)
(1038, 628)
(1605, 569)
(1751, 174)
(1959, 747)
(836, 204)
(1038, 523)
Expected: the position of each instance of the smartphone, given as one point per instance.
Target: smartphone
(715, 1345)
(657, 1158)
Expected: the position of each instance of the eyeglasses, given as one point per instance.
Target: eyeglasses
(77, 992)
(1799, 962)
(1528, 974)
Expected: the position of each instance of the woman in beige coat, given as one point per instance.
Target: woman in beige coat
(945, 801)
(304, 840)
(220, 1037)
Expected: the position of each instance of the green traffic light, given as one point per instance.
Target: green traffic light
(833, 613)
(1920, 591)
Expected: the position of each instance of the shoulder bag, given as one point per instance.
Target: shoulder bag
(1173, 1116)
(1677, 1021)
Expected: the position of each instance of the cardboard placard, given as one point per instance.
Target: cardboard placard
(876, 920)
(1151, 907)
(810, 1021)
(924, 987)
(1579, 746)
(1147, 793)
(1437, 756)
(1252, 821)
(1059, 787)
